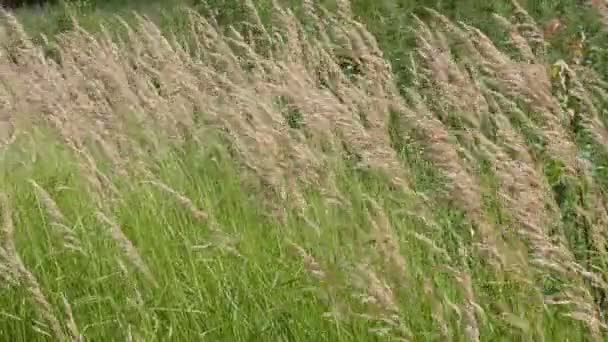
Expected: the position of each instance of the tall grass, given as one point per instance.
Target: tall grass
(280, 180)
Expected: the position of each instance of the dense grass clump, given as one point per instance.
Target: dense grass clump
(304, 171)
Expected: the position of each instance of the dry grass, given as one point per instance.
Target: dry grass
(302, 130)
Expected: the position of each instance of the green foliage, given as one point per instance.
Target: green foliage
(247, 285)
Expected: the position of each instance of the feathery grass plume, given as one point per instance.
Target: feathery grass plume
(529, 85)
(8, 228)
(454, 83)
(520, 43)
(295, 103)
(528, 29)
(17, 44)
(29, 281)
(226, 242)
(602, 9)
(523, 190)
(71, 323)
(101, 185)
(8, 133)
(386, 240)
(314, 107)
(585, 116)
(379, 296)
(518, 81)
(581, 311)
(257, 27)
(508, 136)
(183, 201)
(111, 152)
(126, 246)
(339, 308)
(585, 122)
(442, 146)
(8, 275)
(147, 74)
(471, 310)
(38, 81)
(432, 245)
(438, 310)
(310, 263)
(57, 219)
(442, 149)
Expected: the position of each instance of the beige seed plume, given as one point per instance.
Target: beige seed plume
(127, 246)
(28, 279)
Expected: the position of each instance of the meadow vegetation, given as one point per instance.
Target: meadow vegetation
(304, 171)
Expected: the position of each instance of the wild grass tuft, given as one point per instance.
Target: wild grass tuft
(304, 175)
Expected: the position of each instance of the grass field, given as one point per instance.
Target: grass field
(304, 171)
